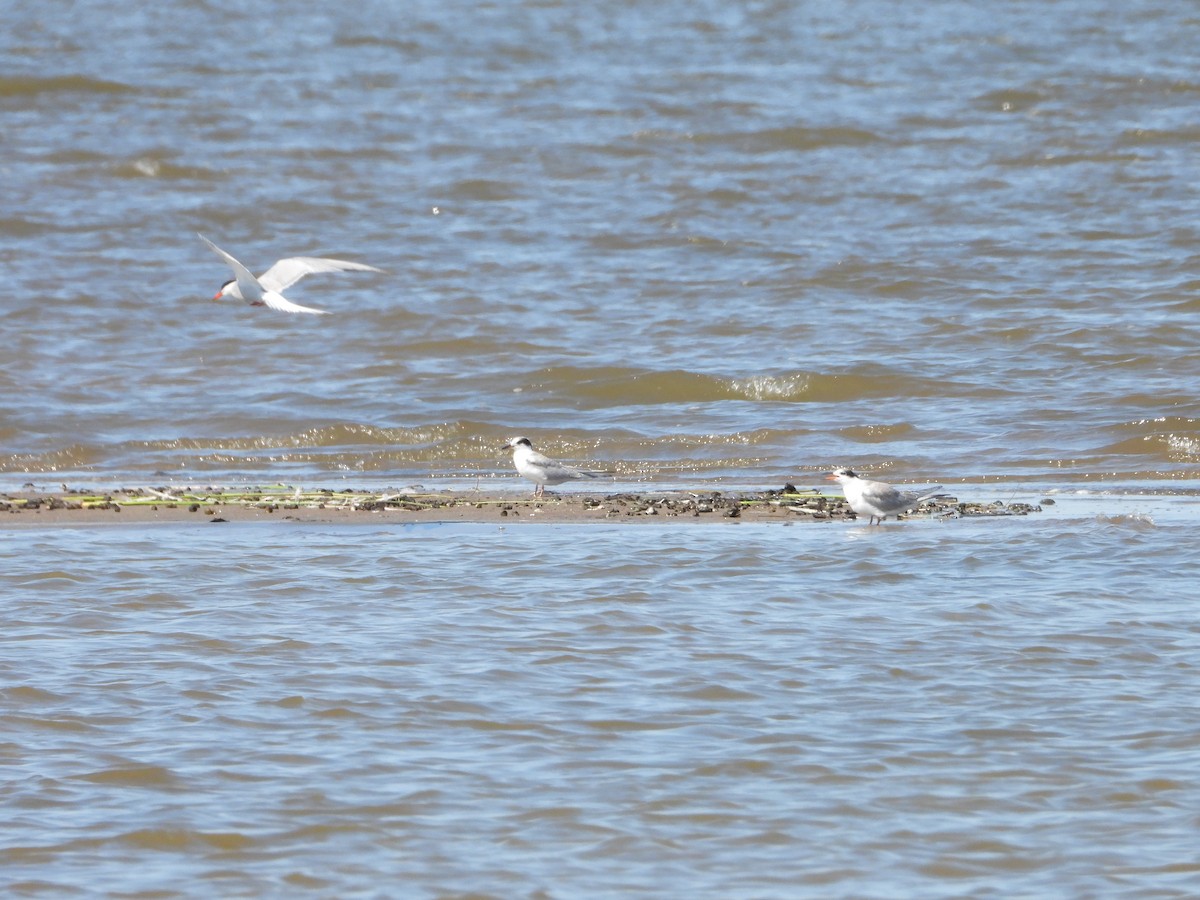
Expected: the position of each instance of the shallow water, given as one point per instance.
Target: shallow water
(950, 709)
(692, 244)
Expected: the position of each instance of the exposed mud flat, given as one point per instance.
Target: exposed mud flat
(786, 504)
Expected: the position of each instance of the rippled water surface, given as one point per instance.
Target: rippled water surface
(694, 244)
(983, 708)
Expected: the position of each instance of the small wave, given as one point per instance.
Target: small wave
(877, 434)
(861, 276)
(1043, 159)
(620, 386)
(155, 167)
(403, 45)
(23, 228)
(451, 448)
(24, 86)
(133, 776)
(796, 137)
(1010, 100)
(155, 164)
(346, 434)
(487, 189)
(346, 447)
(1189, 135)
(1133, 521)
(772, 387)
(180, 839)
(74, 457)
(31, 695)
(336, 446)
(1183, 447)
(768, 140)
(1174, 440)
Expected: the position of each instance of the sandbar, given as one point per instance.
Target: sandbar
(144, 505)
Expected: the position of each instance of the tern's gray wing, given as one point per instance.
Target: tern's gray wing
(901, 500)
(578, 473)
(581, 473)
(542, 461)
(288, 271)
(881, 495)
(931, 494)
(555, 469)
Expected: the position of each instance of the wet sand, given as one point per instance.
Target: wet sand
(145, 505)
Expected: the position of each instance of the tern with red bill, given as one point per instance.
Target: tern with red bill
(267, 289)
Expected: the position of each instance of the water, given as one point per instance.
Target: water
(700, 245)
(722, 243)
(531, 711)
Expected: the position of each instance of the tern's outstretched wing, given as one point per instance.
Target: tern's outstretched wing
(275, 300)
(249, 286)
(288, 271)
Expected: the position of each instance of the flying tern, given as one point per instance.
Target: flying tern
(267, 289)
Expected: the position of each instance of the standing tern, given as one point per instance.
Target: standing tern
(877, 499)
(541, 469)
(267, 289)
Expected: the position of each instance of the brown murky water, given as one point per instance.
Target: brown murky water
(991, 706)
(694, 244)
